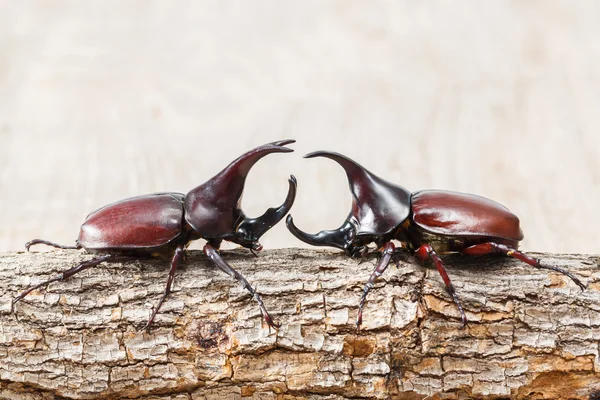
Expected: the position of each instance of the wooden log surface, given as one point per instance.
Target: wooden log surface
(532, 333)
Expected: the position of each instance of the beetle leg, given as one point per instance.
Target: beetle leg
(492, 247)
(384, 261)
(426, 252)
(70, 272)
(177, 257)
(58, 246)
(212, 253)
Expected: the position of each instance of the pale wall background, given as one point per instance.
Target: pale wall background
(101, 100)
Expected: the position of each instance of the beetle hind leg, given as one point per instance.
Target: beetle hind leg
(47, 243)
(492, 247)
(69, 273)
(426, 252)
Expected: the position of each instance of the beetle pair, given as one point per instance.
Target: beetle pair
(425, 223)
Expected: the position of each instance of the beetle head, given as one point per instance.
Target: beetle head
(378, 208)
(213, 209)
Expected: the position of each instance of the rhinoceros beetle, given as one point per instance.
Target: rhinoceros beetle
(426, 223)
(163, 224)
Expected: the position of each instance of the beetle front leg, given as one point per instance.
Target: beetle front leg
(426, 252)
(384, 261)
(213, 254)
(177, 257)
(492, 247)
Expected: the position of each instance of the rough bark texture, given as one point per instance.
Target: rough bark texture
(532, 333)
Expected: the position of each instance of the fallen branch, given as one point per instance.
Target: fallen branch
(532, 333)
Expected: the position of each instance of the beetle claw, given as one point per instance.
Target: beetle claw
(359, 320)
(271, 323)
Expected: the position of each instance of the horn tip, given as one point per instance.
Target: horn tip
(321, 153)
(284, 142)
(293, 180)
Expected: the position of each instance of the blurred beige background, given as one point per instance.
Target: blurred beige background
(102, 100)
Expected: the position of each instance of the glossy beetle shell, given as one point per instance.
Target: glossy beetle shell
(460, 214)
(136, 223)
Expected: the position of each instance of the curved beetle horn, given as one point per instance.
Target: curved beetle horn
(378, 206)
(339, 238)
(213, 208)
(256, 227)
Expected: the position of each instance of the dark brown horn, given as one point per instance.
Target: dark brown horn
(254, 228)
(340, 238)
(378, 206)
(213, 208)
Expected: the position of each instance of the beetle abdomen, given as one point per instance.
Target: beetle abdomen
(461, 214)
(138, 222)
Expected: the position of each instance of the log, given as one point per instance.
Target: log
(531, 333)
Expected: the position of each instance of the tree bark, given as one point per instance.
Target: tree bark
(531, 333)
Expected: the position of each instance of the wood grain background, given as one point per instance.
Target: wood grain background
(101, 100)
